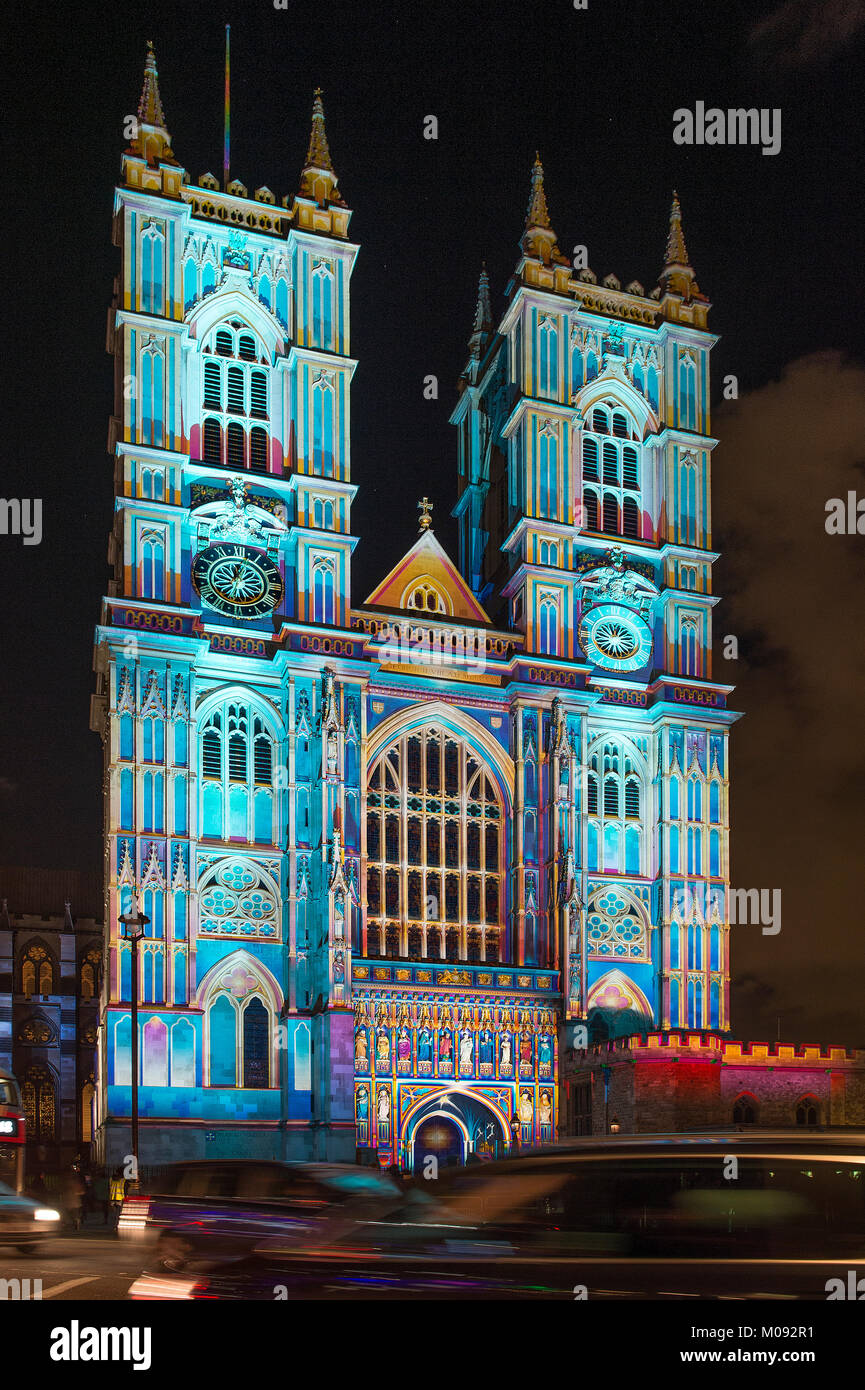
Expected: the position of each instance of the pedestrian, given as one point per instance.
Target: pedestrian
(118, 1192)
(73, 1197)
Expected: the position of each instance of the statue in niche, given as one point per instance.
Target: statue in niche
(486, 1046)
(361, 1053)
(403, 1047)
(505, 1052)
(445, 1046)
(525, 1048)
(545, 1052)
(339, 968)
(382, 1047)
(424, 1046)
(525, 1107)
(331, 753)
(383, 1106)
(363, 1102)
(546, 1108)
(467, 1049)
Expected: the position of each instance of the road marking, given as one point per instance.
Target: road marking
(70, 1284)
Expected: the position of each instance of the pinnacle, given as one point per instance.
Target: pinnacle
(150, 106)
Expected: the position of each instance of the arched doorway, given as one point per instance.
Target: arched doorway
(453, 1126)
(439, 1138)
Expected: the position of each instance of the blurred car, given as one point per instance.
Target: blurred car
(727, 1215)
(24, 1222)
(227, 1208)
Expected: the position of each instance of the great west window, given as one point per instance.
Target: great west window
(435, 851)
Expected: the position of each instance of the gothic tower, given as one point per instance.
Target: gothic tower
(225, 754)
(584, 474)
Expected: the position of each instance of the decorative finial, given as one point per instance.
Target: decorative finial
(539, 240)
(482, 326)
(677, 252)
(318, 154)
(537, 214)
(425, 507)
(150, 106)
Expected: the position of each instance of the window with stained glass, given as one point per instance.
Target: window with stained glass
(435, 851)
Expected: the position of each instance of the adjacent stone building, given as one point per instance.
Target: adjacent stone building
(50, 977)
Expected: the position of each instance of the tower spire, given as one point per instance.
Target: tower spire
(150, 106)
(483, 320)
(539, 240)
(318, 179)
(677, 252)
(678, 277)
(151, 140)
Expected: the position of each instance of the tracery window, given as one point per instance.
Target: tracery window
(235, 397)
(37, 971)
(615, 798)
(237, 775)
(427, 598)
(239, 1039)
(90, 968)
(611, 474)
(39, 1102)
(435, 850)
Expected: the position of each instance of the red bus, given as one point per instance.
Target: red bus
(12, 1134)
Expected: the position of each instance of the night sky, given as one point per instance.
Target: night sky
(776, 244)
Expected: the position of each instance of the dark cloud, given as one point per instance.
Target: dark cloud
(795, 598)
(804, 32)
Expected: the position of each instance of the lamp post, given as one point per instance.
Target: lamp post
(132, 920)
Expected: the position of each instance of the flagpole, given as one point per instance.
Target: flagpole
(226, 147)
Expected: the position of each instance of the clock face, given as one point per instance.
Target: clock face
(614, 637)
(236, 580)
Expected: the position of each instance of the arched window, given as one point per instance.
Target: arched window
(152, 396)
(90, 972)
(256, 1045)
(323, 591)
(322, 304)
(746, 1109)
(808, 1111)
(236, 760)
(427, 598)
(615, 800)
(433, 804)
(548, 634)
(152, 564)
(39, 1102)
(37, 970)
(549, 357)
(152, 269)
(608, 459)
(239, 392)
(212, 441)
(322, 425)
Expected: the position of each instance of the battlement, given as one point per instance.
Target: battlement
(727, 1051)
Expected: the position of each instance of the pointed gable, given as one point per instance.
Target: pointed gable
(427, 581)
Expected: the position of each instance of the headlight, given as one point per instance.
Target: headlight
(46, 1214)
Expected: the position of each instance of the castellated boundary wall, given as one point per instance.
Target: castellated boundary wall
(669, 1082)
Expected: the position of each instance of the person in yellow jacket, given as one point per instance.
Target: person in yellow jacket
(118, 1192)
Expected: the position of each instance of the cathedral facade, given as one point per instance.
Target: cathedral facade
(397, 857)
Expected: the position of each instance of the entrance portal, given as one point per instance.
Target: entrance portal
(440, 1138)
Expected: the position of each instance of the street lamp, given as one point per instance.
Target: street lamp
(614, 1125)
(131, 920)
